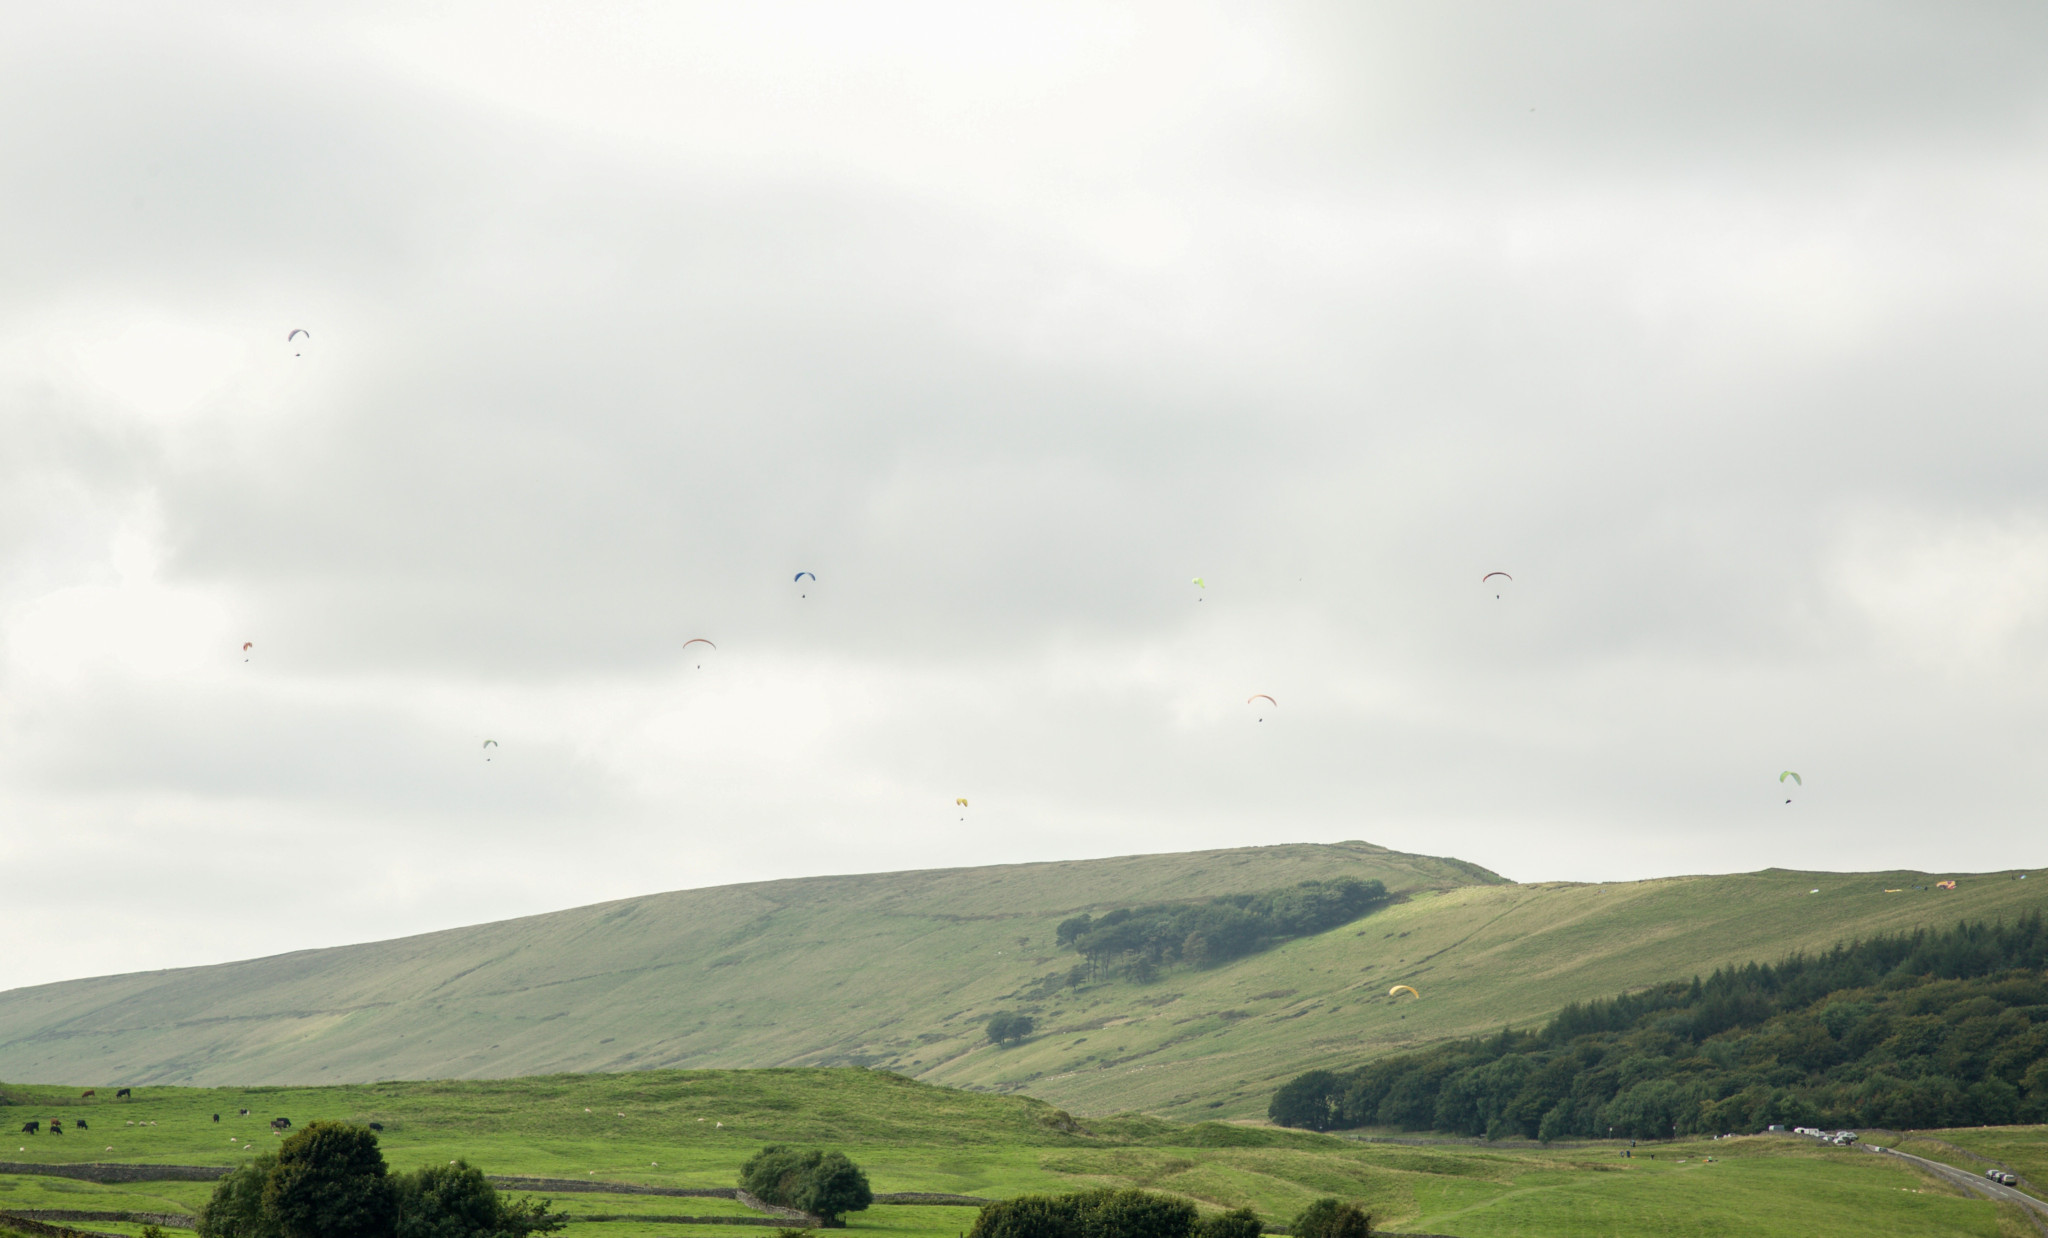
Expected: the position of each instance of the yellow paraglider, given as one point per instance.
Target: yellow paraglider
(1399, 989)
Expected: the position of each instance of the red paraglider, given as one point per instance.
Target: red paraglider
(1491, 575)
(698, 640)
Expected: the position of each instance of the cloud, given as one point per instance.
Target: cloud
(1714, 328)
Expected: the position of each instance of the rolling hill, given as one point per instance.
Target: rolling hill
(899, 971)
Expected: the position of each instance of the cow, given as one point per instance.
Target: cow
(244, 1113)
(216, 1117)
(88, 1094)
(376, 1126)
(32, 1128)
(280, 1124)
(80, 1124)
(56, 1126)
(123, 1094)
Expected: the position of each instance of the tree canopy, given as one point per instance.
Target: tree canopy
(1912, 1030)
(330, 1179)
(824, 1184)
(1087, 1214)
(1009, 1027)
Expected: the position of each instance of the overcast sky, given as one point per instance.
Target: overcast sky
(1720, 327)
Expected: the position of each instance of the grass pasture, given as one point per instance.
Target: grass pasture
(693, 1129)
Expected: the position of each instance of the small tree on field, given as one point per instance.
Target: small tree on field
(824, 1184)
(329, 1182)
(1087, 1214)
(1331, 1218)
(1007, 1027)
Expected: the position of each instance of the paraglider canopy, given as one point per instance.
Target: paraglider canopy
(1399, 989)
(698, 640)
(962, 801)
(801, 575)
(488, 745)
(1491, 575)
(1793, 776)
(1260, 696)
(296, 333)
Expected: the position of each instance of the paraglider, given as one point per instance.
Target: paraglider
(1944, 885)
(1399, 989)
(798, 579)
(1260, 696)
(698, 640)
(1797, 781)
(1200, 584)
(1491, 575)
(488, 745)
(296, 333)
(247, 645)
(962, 801)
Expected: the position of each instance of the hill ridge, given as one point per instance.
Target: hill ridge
(900, 970)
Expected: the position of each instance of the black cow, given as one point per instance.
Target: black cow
(56, 1126)
(121, 1094)
(280, 1124)
(376, 1126)
(80, 1124)
(32, 1128)
(216, 1117)
(245, 1113)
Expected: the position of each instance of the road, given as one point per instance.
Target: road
(2036, 1210)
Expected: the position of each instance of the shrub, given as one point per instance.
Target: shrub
(1332, 1218)
(824, 1184)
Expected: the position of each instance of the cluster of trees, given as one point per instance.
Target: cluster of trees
(1917, 1030)
(1141, 939)
(824, 1184)
(1141, 1214)
(329, 1181)
(1006, 1027)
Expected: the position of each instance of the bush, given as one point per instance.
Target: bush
(1007, 1027)
(1331, 1218)
(1243, 1223)
(1087, 1214)
(329, 1182)
(824, 1184)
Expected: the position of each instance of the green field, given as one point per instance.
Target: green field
(665, 1128)
(900, 971)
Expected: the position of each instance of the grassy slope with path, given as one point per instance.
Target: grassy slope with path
(899, 970)
(916, 1137)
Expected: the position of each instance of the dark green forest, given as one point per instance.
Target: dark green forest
(1926, 1029)
(1140, 939)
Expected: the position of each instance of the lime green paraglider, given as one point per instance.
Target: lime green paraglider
(1793, 776)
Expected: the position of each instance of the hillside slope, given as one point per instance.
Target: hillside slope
(899, 970)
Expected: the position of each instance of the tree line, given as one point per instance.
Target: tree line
(1139, 940)
(1132, 1213)
(1913, 1030)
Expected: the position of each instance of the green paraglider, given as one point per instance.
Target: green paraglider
(1794, 776)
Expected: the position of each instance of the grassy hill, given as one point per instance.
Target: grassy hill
(900, 970)
(693, 1129)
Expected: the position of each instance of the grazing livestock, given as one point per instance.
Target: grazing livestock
(245, 1113)
(88, 1094)
(376, 1126)
(56, 1126)
(122, 1094)
(280, 1124)
(216, 1117)
(32, 1128)
(80, 1124)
